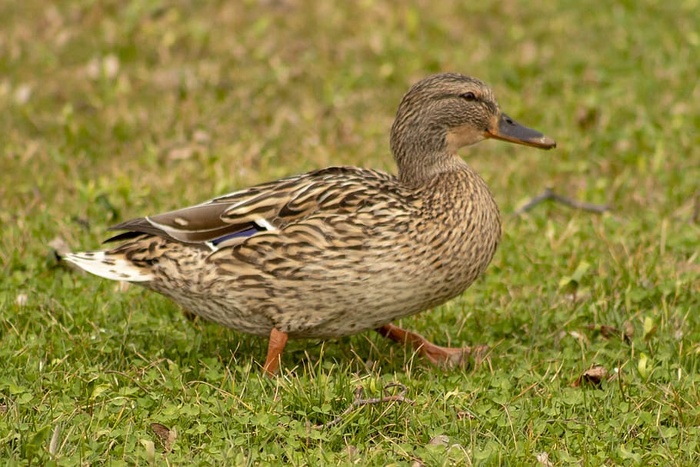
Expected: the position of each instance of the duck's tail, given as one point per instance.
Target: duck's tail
(110, 266)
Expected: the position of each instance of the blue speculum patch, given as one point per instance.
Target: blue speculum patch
(242, 233)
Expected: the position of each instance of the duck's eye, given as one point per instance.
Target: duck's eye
(468, 96)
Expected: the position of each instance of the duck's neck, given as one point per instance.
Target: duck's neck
(421, 152)
(417, 170)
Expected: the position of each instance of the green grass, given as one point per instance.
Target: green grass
(119, 109)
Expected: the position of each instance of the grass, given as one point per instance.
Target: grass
(118, 109)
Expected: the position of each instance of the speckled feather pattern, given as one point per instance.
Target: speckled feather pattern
(339, 250)
(339, 273)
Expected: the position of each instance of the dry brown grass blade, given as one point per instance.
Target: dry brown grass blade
(359, 402)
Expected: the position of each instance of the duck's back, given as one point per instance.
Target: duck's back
(335, 274)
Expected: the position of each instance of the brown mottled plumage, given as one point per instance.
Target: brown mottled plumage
(339, 250)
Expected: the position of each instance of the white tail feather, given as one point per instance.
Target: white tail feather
(100, 264)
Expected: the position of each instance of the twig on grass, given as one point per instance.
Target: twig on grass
(359, 402)
(550, 195)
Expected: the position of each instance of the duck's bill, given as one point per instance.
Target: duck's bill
(513, 132)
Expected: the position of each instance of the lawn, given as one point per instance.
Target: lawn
(112, 110)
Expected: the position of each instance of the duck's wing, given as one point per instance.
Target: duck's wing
(270, 206)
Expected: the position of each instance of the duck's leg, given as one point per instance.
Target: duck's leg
(450, 356)
(278, 340)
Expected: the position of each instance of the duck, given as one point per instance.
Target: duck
(339, 250)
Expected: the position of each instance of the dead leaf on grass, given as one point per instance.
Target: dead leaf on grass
(166, 435)
(594, 376)
(439, 440)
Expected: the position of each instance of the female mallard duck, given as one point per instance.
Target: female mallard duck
(339, 250)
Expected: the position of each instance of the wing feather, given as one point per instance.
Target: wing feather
(270, 206)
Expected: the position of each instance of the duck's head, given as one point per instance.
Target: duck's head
(445, 112)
